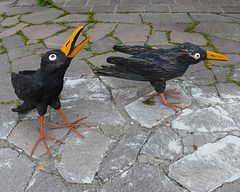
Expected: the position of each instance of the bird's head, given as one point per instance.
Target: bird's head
(61, 58)
(193, 54)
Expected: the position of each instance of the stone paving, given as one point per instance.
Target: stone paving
(135, 146)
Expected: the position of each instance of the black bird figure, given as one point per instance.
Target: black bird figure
(42, 87)
(156, 65)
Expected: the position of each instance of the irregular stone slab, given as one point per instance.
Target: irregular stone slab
(57, 41)
(16, 10)
(221, 73)
(156, 9)
(10, 21)
(142, 177)
(203, 17)
(181, 37)
(42, 31)
(182, 8)
(228, 90)
(226, 45)
(225, 30)
(75, 9)
(164, 144)
(4, 63)
(100, 113)
(124, 96)
(210, 166)
(26, 63)
(116, 83)
(73, 17)
(198, 75)
(45, 181)
(6, 89)
(12, 165)
(90, 88)
(100, 30)
(83, 54)
(206, 95)
(150, 115)
(26, 2)
(8, 120)
(233, 109)
(230, 186)
(42, 16)
(166, 17)
(103, 8)
(12, 30)
(103, 45)
(171, 26)
(129, 33)
(158, 38)
(204, 120)
(19, 52)
(208, 9)
(125, 153)
(133, 8)
(25, 135)
(236, 73)
(78, 68)
(118, 17)
(13, 42)
(80, 158)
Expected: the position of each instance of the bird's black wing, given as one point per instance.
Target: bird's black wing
(153, 65)
(150, 69)
(132, 49)
(27, 87)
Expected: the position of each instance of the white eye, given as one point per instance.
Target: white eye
(52, 57)
(197, 56)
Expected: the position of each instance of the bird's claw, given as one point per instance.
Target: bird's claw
(42, 137)
(169, 93)
(170, 104)
(71, 125)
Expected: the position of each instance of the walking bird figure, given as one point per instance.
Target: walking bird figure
(42, 87)
(156, 65)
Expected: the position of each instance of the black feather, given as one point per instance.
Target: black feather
(41, 87)
(153, 65)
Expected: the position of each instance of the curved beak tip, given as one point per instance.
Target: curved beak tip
(69, 47)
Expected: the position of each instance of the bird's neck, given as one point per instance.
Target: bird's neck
(50, 76)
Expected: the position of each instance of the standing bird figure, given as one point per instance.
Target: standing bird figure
(42, 87)
(156, 65)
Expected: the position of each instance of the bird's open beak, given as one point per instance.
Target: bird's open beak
(212, 56)
(69, 47)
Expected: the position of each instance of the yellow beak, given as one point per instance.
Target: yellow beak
(212, 56)
(69, 49)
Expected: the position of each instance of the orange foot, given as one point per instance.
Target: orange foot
(42, 137)
(169, 93)
(70, 125)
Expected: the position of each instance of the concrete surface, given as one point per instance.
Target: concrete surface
(135, 146)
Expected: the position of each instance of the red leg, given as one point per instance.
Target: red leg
(42, 137)
(70, 125)
(169, 93)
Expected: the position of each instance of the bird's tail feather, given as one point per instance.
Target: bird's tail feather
(23, 108)
(119, 72)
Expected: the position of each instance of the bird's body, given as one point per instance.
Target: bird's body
(154, 65)
(41, 88)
